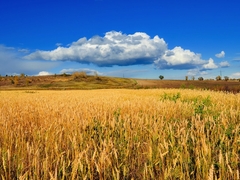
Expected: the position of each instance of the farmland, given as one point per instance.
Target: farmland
(119, 134)
(80, 80)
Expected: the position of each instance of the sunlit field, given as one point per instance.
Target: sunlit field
(119, 134)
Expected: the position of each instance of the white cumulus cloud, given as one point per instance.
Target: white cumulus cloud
(210, 65)
(224, 64)
(44, 73)
(115, 48)
(220, 55)
(179, 58)
(235, 75)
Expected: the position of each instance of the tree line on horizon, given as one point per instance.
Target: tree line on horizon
(218, 78)
(161, 77)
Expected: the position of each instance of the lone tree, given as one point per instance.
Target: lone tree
(218, 78)
(200, 78)
(161, 77)
(226, 78)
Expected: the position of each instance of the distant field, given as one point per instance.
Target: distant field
(232, 86)
(119, 134)
(82, 81)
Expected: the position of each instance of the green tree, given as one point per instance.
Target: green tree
(161, 77)
(226, 78)
(200, 78)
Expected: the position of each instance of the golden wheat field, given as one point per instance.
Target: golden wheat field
(119, 134)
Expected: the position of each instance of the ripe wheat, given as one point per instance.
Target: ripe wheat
(119, 134)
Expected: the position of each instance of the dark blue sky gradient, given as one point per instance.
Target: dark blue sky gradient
(205, 27)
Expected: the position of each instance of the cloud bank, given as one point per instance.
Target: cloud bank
(116, 48)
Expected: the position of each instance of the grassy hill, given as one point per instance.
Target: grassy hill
(61, 82)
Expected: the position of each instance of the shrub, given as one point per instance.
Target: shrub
(96, 75)
(16, 80)
(77, 75)
(22, 75)
(218, 78)
(27, 81)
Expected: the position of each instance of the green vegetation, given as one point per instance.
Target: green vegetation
(161, 77)
(200, 78)
(226, 78)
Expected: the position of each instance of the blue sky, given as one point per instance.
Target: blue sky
(138, 39)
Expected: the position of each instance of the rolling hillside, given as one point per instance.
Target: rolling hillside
(82, 81)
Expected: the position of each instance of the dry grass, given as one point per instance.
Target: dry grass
(78, 80)
(119, 134)
(226, 86)
(78, 75)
